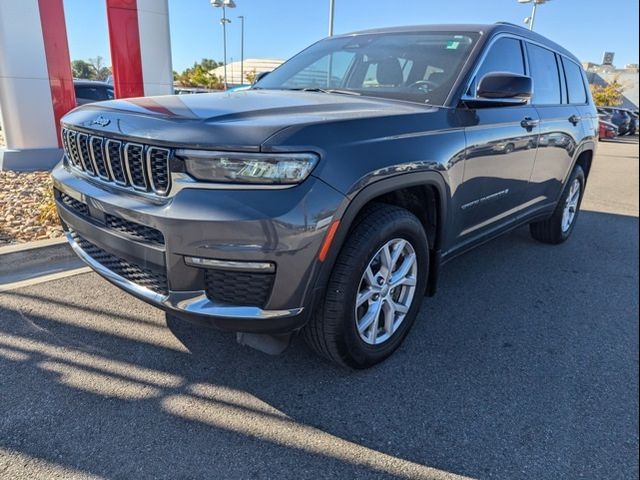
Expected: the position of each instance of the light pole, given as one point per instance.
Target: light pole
(530, 20)
(332, 7)
(241, 17)
(224, 20)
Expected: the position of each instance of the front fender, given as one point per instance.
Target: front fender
(353, 205)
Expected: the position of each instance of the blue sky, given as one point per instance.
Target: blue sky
(280, 28)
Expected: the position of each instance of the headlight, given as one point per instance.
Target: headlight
(250, 168)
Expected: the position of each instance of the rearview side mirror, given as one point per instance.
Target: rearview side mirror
(498, 89)
(260, 76)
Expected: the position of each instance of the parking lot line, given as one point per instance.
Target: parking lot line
(42, 279)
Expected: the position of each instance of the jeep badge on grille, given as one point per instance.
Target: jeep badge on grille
(101, 121)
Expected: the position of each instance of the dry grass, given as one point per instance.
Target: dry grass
(27, 208)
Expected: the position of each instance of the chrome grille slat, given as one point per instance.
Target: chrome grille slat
(63, 134)
(83, 152)
(134, 162)
(144, 168)
(73, 149)
(158, 168)
(97, 157)
(114, 161)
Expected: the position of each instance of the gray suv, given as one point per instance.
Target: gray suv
(325, 199)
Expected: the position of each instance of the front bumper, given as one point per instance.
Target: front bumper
(284, 227)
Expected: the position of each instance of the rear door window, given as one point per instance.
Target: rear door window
(575, 83)
(545, 74)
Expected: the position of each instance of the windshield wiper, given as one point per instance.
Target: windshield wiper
(328, 90)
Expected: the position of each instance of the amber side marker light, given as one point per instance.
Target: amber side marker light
(328, 239)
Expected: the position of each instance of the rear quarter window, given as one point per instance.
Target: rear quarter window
(575, 82)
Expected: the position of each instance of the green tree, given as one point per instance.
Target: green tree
(91, 69)
(101, 72)
(209, 64)
(199, 75)
(82, 69)
(609, 95)
(251, 76)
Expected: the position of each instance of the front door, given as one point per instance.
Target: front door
(501, 151)
(500, 154)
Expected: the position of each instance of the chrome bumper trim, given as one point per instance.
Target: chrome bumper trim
(192, 302)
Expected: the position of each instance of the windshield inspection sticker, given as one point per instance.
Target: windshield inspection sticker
(452, 45)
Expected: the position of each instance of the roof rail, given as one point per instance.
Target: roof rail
(510, 24)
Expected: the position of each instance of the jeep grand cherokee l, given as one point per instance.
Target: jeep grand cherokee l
(326, 198)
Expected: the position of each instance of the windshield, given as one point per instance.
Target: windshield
(419, 67)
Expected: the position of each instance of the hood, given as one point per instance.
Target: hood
(230, 120)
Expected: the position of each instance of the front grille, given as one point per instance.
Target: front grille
(144, 277)
(138, 232)
(238, 288)
(135, 230)
(142, 167)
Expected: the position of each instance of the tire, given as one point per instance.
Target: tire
(333, 331)
(555, 229)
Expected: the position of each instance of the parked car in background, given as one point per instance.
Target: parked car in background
(89, 91)
(607, 130)
(619, 117)
(190, 90)
(635, 121)
(604, 116)
(325, 199)
(239, 88)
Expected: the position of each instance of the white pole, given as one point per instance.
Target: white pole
(533, 14)
(224, 43)
(332, 5)
(241, 49)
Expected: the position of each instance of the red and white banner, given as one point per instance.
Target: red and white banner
(140, 47)
(36, 84)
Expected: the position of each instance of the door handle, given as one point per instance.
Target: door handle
(529, 123)
(574, 119)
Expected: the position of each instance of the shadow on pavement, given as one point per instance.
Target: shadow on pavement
(525, 365)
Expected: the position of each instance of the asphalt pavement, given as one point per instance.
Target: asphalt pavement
(525, 365)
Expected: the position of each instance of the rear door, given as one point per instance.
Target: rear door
(501, 146)
(578, 96)
(561, 127)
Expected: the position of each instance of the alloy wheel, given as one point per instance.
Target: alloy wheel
(571, 205)
(386, 291)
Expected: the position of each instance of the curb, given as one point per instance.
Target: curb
(25, 261)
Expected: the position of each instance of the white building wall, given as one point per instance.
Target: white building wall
(25, 93)
(155, 47)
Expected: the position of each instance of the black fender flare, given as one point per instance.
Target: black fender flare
(352, 206)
